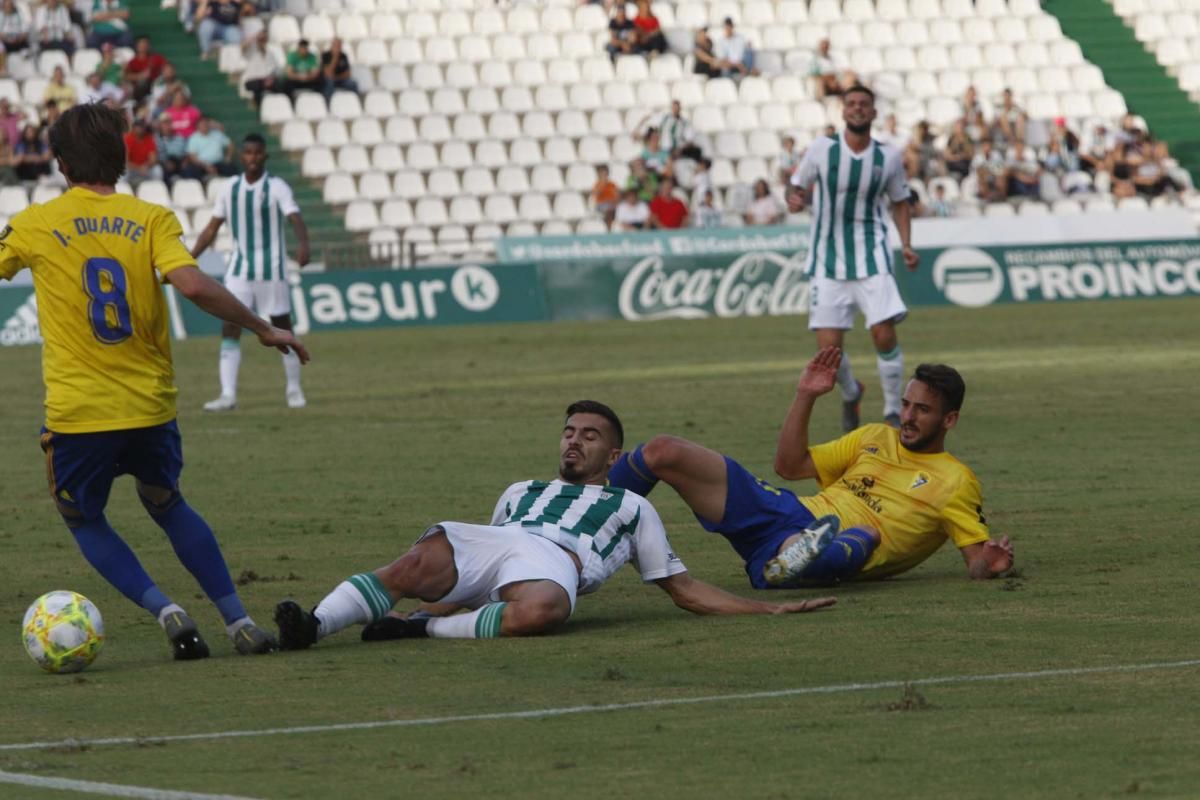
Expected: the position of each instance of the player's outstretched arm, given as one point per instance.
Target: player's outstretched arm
(301, 231)
(989, 559)
(699, 597)
(216, 300)
(902, 218)
(206, 236)
(792, 460)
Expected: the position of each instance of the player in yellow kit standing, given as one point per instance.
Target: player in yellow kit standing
(889, 497)
(97, 259)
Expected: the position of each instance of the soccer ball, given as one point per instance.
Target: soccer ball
(63, 631)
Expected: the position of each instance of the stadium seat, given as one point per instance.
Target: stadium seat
(474, 49)
(491, 153)
(396, 213)
(345, 105)
(465, 210)
(478, 181)
(597, 69)
(447, 101)
(594, 150)
(431, 212)
(366, 131)
(620, 95)
(499, 209)
(421, 155)
(546, 178)
(375, 185)
(310, 106)
(730, 144)
(537, 125)
(560, 151)
(296, 135)
(469, 127)
(186, 193)
(353, 158)
(512, 179)
(283, 30)
(456, 155)
(361, 215)
(534, 207)
(339, 189)
(581, 177)
(408, 185)
(332, 133)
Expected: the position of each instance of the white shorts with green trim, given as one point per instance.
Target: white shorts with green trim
(272, 298)
(833, 303)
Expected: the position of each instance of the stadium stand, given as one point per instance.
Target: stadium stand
(470, 120)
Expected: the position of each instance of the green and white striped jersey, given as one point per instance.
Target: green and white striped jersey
(849, 238)
(603, 525)
(255, 213)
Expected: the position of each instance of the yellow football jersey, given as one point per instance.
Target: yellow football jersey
(106, 359)
(915, 500)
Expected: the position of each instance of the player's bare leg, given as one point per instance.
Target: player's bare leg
(890, 361)
(697, 474)
(291, 366)
(852, 390)
(230, 363)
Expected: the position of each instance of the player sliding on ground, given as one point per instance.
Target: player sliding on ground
(889, 497)
(547, 542)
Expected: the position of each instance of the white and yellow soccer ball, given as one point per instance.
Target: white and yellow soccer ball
(63, 631)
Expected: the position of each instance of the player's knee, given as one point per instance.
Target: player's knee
(534, 615)
(157, 500)
(662, 451)
(419, 573)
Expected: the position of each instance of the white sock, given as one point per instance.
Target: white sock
(169, 610)
(891, 377)
(231, 361)
(482, 623)
(846, 379)
(356, 601)
(291, 369)
(232, 627)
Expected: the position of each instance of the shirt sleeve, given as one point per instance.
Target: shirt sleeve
(287, 201)
(13, 251)
(897, 185)
(220, 205)
(832, 459)
(166, 244)
(963, 520)
(504, 505)
(808, 171)
(652, 554)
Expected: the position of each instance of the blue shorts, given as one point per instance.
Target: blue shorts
(81, 467)
(758, 518)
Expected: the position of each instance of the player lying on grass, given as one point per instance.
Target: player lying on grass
(889, 497)
(519, 575)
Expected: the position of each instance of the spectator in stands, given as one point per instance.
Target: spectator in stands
(143, 69)
(971, 107)
(704, 58)
(8, 175)
(14, 28)
(1009, 126)
(991, 173)
(765, 208)
(335, 71)
(1152, 178)
(97, 91)
(642, 181)
(251, 23)
(31, 156)
(52, 27)
(209, 150)
(218, 21)
(706, 214)
(734, 55)
(172, 150)
(605, 195)
(650, 38)
(622, 36)
(59, 91)
(1097, 156)
(1058, 161)
(666, 210)
(1024, 172)
(50, 114)
(110, 24)
(828, 77)
(11, 120)
(787, 161)
(141, 154)
(960, 150)
(109, 68)
(677, 136)
(921, 157)
(162, 91)
(939, 207)
(891, 133)
(655, 156)
(701, 180)
(303, 69)
(632, 212)
(261, 74)
(183, 115)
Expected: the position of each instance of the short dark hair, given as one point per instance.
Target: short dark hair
(89, 140)
(858, 87)
(598, 408)
(254, 138)
(945, 382)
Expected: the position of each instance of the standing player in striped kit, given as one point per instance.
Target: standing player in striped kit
(849, 259)
(548, 541)
(256, 203)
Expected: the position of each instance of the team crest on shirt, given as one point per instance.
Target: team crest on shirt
(920, 481)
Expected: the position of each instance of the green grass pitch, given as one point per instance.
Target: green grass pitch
(1079, 419)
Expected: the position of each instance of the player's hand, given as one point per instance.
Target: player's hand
(284, 341)
(302, 254)
(796, 201)
(820, 374)
(801, 606)
(998, 554)
(912, 258)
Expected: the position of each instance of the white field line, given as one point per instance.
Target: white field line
(540, 713)
(108, 789)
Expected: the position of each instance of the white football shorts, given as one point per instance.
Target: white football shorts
(833, 303)
(490, 557)
(272, 298)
